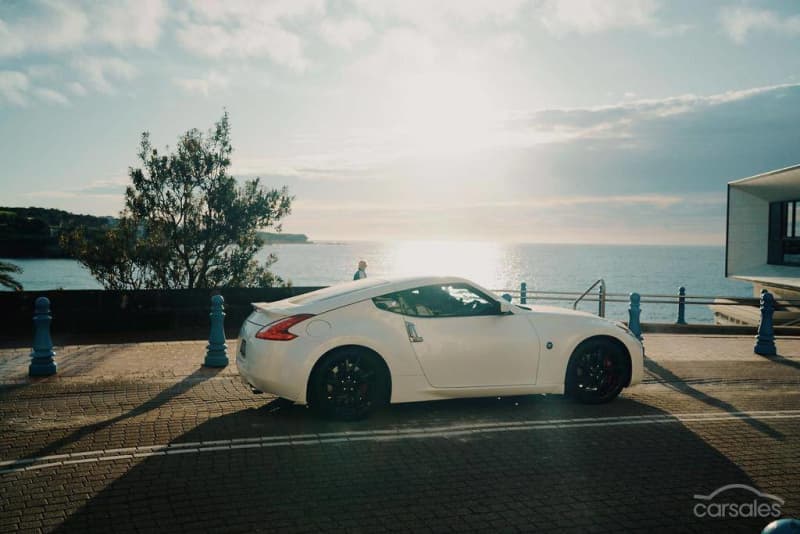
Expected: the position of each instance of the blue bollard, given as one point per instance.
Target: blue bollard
(681, 306)
(506, 297)
(634, 311)
(42, 363)
(523, 293)
(217, 350)
(765, 340)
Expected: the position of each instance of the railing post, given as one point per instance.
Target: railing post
(42, 363)
(216, 350)
(681, 306)
(601, 299)
(523, 293)
(634, 312)
(765, 340)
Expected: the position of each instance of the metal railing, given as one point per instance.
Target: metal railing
(765, 306)
(601, 297)
(680, 299)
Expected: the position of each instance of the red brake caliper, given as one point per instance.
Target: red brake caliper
(607, 363)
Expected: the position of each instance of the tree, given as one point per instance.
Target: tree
(186, 221)
(6, 280)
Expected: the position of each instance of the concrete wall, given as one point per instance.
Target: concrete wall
(748, 231)
(777, 292)
(152, 312)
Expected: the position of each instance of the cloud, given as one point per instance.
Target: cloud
(688, 143)
(506, 42)
(645, 155)
(738, 22)
(126, 23)
(247, 29)
(324, 167)
(52, 26)
(646, 151)
(558, 16)
(617, 120)
(51, 96)
(13, 87)
(101, 73)
(425, 14)
(591, 16)
(212, 82)
(680, 219)
(239, 11)
(217, 42)
(46, 71)
(407, 51)
(675, 30)
(76, 89)
(10, 44)
(652, 200)
(16, 89)
(111, 188)
(345, 33)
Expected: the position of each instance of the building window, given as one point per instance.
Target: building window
(784, 238)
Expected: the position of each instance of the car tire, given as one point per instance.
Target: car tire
(349, 384)
(596, 372)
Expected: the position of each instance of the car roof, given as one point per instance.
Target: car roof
(347, 293)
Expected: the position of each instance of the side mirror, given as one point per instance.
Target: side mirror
(505, 307)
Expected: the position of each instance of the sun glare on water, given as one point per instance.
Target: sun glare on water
(478, 261)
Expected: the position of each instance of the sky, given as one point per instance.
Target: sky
(577, 121)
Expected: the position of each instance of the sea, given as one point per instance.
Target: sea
(646, 269)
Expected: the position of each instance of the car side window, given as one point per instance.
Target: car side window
(450, 300)
(389, 303)
(402, 302)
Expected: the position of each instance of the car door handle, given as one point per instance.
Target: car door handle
(412, 333)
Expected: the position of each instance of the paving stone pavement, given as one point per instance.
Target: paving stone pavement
(140, 437)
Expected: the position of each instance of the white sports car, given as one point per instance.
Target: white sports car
(350, 348)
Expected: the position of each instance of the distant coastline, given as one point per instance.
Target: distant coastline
(34, 233)
(272, 238)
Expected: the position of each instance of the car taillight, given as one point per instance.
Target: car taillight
(279, 330)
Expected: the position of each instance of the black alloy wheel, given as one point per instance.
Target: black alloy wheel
(597, 371)
(349, 384)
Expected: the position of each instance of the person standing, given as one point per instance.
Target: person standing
(362, 271)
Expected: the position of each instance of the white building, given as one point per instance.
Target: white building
(763, 240)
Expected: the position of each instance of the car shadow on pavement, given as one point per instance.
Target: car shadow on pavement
(592, 478)
(676, 383)
(279, 416)
(200, 375)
